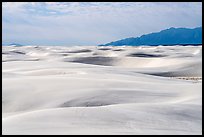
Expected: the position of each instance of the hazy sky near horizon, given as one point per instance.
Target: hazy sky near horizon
(92, 23)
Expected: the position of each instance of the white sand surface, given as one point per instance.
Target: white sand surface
(102, 90)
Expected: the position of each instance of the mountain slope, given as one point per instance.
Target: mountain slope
(171, 36)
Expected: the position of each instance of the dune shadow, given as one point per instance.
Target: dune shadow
(105, 61)
(105, 98)
(162, 74)
(79, 51)
(104, 48)
(19, 52)
(5, 53)
(118, 50)
(146, 55)
(159, 51)
(9, 60)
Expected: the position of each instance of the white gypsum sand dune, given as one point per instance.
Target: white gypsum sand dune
(102, 90)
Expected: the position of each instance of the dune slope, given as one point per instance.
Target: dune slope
(102, 90)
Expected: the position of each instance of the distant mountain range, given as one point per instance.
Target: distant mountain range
(171, 36)
(12, 44)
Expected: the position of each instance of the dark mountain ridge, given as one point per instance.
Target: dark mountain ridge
(171, 36)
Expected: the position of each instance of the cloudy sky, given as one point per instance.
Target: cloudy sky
(92, 23)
